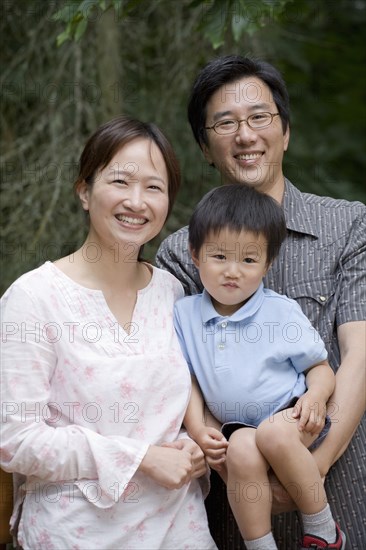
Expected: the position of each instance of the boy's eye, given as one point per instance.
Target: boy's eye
(220, 257)
(249, 260)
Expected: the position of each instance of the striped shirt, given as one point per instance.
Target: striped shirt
(322, 265)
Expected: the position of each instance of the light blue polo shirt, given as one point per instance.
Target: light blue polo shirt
(250, 364)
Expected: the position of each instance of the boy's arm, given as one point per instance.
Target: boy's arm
(194, 419)
(310, 408)
(210, 439)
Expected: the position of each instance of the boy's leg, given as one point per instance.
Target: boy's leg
(286, 450)
(248, 489)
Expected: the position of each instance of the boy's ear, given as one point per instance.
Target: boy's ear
(194, 257)
(268, 266)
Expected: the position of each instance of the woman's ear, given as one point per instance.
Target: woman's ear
(82, 189)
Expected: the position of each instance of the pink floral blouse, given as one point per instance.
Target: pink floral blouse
(82, 399)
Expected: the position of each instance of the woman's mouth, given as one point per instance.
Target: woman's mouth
(130, 220)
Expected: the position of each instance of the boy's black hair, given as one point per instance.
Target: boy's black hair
(238, 208)
(224, 70)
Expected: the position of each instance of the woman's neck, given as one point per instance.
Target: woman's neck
(109, 269)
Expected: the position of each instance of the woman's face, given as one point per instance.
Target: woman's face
(128, 201)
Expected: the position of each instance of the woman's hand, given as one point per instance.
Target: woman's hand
(199, 466)
(169, 466)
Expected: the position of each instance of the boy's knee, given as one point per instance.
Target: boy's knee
(242, 452)
(273, 437)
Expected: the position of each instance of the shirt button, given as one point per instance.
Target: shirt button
(224, 324)
(221, 346)
(322, 298)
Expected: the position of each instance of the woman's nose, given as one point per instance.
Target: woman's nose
(134, 198)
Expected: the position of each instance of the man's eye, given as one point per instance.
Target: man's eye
(226, 123)
(259, 116)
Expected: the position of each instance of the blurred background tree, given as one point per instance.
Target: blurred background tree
(68, 66)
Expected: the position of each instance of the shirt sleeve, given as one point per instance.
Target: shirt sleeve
(180, 333)
(173, 255)
(30, 444)
(304, 345)
(352, 273)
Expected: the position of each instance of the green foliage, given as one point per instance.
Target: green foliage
(140, 58)
(239, 16)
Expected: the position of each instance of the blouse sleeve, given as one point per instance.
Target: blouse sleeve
(30, 444)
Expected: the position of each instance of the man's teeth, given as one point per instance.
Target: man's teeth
(132, 221)
(250, 156)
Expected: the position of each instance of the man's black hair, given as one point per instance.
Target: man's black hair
(238, 208)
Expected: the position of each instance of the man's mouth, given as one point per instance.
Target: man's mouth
(249, 156)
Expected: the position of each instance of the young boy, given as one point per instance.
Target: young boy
(260, 366)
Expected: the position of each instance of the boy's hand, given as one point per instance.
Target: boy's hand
(213, 444)
(310, 409)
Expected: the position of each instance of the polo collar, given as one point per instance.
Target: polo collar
(298, 212)
(209, 313)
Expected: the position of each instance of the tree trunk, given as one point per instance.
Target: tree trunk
(109, 64)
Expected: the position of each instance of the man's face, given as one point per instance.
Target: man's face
(252, 157)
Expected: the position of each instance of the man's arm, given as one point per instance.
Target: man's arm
(347, 404)
(174, 256)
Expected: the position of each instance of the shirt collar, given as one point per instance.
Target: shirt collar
(298, 213)
(208, 311)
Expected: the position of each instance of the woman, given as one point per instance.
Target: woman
(94, 384)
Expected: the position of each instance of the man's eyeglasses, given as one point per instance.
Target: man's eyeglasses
(255, 122)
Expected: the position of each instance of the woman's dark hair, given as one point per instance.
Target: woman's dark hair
(112, 136)
(238, 208)
(224, 70)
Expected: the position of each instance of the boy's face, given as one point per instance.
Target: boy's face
(232, 266)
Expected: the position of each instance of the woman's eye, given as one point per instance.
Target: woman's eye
(119, 181)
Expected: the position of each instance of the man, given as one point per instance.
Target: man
(239, 114)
